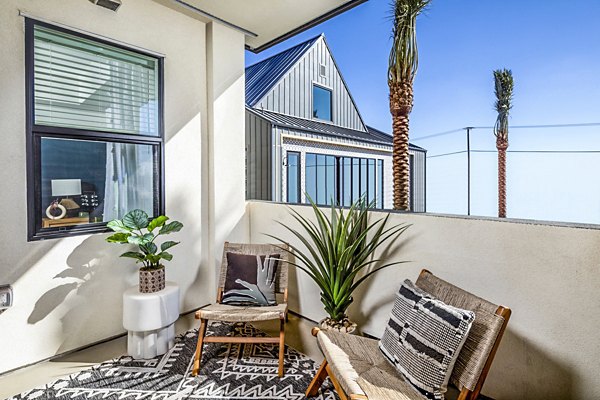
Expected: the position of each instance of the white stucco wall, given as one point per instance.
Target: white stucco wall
(548, 276)
(68, 291)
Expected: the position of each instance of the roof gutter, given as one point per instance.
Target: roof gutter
(322, 18)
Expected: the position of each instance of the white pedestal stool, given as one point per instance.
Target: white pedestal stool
(150, 320)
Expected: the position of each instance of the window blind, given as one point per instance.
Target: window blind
(88, 85)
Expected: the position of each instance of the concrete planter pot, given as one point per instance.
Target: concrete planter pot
(152, 280)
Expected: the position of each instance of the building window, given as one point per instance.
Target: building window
(321, 103)
(321, 178)
(95, 136)
(380, 185)
(293, 177)
(343, 180)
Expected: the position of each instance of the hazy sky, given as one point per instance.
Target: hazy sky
(553, 49)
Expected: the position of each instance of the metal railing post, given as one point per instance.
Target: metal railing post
(468, 129)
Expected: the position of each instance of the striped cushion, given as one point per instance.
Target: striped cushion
(423, 338)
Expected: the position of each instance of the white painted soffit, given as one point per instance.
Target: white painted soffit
(265, 22)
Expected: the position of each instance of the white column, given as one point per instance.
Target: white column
(226, 203)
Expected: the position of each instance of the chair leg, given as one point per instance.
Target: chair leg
(315, 385)
(281, 346)
(198, 355)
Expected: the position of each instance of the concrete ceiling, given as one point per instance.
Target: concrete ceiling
(266, 22)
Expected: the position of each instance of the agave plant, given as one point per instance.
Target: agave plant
(136, 228)
(340, 250)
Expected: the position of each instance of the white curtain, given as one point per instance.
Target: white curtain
(129, 167)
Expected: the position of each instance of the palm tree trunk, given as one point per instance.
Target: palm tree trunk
(401, 102)
(501, 145)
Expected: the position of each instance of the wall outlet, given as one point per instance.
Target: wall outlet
(6, 296)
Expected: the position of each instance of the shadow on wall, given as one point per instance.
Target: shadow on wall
(522, 370)
(392, 250)
(91, 291)
(17, 263)
(96, 278)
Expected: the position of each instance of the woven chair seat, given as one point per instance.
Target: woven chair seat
(361, 369)
(229, 313)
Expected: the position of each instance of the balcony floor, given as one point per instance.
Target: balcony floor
(297, 336)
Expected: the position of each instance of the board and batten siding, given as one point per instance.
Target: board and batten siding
(259, 165)
(293, 94)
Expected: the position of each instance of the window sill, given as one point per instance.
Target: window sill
(68, 231)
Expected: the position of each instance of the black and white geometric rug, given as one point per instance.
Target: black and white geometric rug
(229, 371)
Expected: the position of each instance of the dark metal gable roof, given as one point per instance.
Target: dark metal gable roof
(320, 128)
(262, 76)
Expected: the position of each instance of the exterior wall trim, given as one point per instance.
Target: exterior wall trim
(385, 149)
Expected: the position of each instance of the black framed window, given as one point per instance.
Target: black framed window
(321, 178)
(293, 177)
(95, 141)
(322, 103)
(380, 185)
(343, 180)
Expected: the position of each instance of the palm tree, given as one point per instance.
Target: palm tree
(403, 64)
(504, 85)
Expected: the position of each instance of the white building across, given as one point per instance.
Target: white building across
(306, 136)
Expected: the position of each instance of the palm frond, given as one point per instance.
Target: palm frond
(404, 55)
(504, 91)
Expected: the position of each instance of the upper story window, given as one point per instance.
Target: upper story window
(321, 103)
(95, 136)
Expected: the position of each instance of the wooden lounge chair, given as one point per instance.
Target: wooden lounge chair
(229, 313)
(358, 370)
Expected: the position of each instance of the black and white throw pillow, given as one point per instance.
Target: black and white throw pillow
(423, 338)
(250, 279)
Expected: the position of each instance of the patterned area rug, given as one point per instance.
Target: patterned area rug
(229, 371)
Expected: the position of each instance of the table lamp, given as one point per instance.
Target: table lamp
(66, 188)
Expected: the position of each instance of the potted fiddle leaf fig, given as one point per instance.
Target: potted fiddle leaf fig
(136, 229)
(338, 253)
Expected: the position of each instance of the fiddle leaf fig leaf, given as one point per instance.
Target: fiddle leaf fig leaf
(118, 238)
(157, 222)
(153, 258)
(132, 254)
(136, 219)
(174, 226)
(118, 226)
(168, 245)
(148, 248)
(140, 239)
